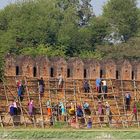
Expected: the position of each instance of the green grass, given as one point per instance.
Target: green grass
(69, 134)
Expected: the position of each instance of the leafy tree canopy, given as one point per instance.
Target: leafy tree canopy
(69, 28)
(122, 16)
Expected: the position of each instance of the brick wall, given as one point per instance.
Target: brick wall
(72, 68)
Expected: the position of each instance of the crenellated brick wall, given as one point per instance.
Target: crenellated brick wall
(75, 68)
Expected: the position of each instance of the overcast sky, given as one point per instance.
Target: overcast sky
(97, 5)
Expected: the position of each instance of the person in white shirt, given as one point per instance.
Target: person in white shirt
(104, 88)
(60, 81)
(108, 112)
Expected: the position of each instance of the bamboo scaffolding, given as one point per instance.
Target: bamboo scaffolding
(41, 110)
(95, 105)
(119, 118)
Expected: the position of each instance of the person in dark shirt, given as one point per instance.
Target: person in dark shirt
(127, 100)
(41, 86)
(86, 86)
(20, 90)
(11, 109)
(79, 111)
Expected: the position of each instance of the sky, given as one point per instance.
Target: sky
(97, 5)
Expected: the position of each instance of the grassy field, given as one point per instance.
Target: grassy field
(69, 134)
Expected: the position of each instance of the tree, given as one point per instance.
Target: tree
(99, 30)
(138, 34)
(85, 12)
(66, 28)
(121, 51)
(122, 15)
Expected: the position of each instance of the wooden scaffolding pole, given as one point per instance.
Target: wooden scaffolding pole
(41, 110)
(92, 93)
(124, 108)
(135, 92)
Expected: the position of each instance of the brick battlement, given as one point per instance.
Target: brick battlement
(74, 68)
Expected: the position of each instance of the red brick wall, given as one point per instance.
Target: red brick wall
(76, 66)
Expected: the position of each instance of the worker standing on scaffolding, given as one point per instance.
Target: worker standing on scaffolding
(100, 111)
(15, 107)
(86, 108)
(86, 87)
(89, 122)
(104, 88)
(60, 81)
(134, 111)
(98, 85)
(21, 90)
(72, 109)
(108, 112)
(31, 107)
(41, 86)
(11, 109)
(63, 112)
(127, 100)
(49, 108)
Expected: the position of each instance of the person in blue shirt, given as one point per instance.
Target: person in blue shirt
(11, 109)
(86, 108)
(62, 108)
(98, 85)
(79, 111)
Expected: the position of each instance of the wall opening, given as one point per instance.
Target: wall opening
(85, 73)
(61, 70)
(117, 74)
(68, 73)
(133, 75)
(51, 72)
(17, 70)
(34, 72)
(101, 73)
